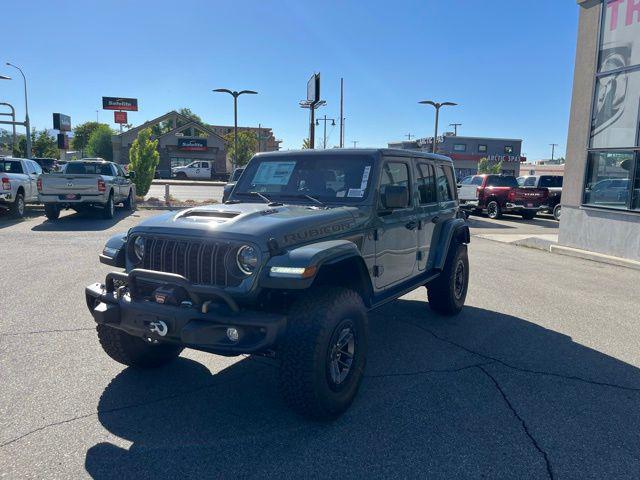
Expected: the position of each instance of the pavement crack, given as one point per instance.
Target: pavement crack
(522, 422)
(123, 407)
(427, 372)
(520, 369)
(37, 332)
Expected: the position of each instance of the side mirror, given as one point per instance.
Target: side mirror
(395, 196)
(131, 175)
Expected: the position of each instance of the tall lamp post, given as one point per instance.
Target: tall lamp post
(26, 109)
(325, 120)
(437, 106)
(235, 96)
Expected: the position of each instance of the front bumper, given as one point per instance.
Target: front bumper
(200, 324)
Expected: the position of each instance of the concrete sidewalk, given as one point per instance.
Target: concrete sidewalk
(187, 183)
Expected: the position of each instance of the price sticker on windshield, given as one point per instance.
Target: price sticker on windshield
(365, 178)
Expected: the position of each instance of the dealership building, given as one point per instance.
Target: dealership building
(182, 140)
(601, 193)
(466, 152)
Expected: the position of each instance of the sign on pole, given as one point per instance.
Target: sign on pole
(313, 89)
(119, 103)
(61, 122)
(120, 117)
(63, 141)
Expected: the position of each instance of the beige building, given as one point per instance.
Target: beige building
(268, 142)
(601, 193)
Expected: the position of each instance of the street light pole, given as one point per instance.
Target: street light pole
(553, 149)
(26, 109)
(235, 96)
(325, 120)
(437, 106)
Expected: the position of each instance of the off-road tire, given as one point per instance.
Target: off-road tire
(494, 210)
(52, 211)
(133, 351)
(109, 208)
(557, 211)
(18, 208)
(444, 295)
(130, 202)
(528, 215)
(312, 325)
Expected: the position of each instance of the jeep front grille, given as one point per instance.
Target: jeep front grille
(203, 263)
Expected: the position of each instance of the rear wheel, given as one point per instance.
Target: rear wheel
(528, 215)
(109, 209)
(17, 208)
(133, 351)
(52, 211)
(324, 352)
(557, 210)
(448, 292)
(494, 210)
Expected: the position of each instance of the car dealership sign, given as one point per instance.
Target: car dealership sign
(192, 144)
(61, 122)
(119, 103)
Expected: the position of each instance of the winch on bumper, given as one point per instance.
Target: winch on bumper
(215, 325)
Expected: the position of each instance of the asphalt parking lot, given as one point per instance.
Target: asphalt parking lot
(537, 378)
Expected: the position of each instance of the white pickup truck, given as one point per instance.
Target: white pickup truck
(199, 169)
(90, 182)
(18, 177)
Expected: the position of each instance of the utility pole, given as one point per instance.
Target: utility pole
(27, 124)
(409, 135)
(341, 113)
(437, 106)
(97, 116)
(259, 136)
(355, 142)
(325, 120)
(455, 128)
(553, 149)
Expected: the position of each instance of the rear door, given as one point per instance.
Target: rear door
(447, 194)
(121, 182)
(30, 186)
(396, 237)
(205, 170)
(426, 210)
(34, 186)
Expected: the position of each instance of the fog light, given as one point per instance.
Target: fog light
(233, 334)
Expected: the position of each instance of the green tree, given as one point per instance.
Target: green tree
(82, 133)
(485, 167)
(100, 144)
(45, 145)
(247, 146)
(188, 113)
(306, 144)
(144, 158)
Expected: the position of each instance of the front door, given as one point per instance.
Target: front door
(397, 232)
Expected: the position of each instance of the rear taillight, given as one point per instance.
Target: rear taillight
(39, 184)
(6, 184)
(102, 187)
(512, 195)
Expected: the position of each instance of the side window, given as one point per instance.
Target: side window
(30, 169)
(37, 168)
(205, 165)
(444, 187)
(476, 181)
(466, 181)
(119, 171)
(394, 174)
(426, 184)
(530, 182)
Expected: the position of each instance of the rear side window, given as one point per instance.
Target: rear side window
(444, 184)
(37, 168)
(529, 182)
(10, 166)
(426, 184)
(551, 182)
(79, 168)
(501, 181)
(476, 181)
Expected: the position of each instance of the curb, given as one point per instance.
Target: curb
(594, 256)
(189, 183)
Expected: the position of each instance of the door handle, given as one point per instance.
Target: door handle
(435, 219)
(411, 225)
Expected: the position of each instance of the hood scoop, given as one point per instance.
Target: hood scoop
(208, 214)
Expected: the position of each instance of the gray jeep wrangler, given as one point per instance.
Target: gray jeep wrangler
(307, 243)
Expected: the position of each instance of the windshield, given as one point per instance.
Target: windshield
(79, 168)
(10, 166)
(328, 178)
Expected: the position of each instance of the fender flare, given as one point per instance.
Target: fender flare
(114, 252)
(309, 257)
(447, 232)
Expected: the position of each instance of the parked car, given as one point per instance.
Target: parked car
(90, 182)
(553, 183)
(195, 170)
(498, 194)
(18, 179)
(288, 268)
(47, 164)
(609, 191)
(232, 182)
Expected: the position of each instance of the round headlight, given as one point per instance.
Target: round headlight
(247, 259)
(138, 248)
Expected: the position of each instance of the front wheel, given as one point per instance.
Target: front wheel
(494, 210)
(324, 352)
(52, 211)
(130, 202)
(109, 209)
(133, 351)
(448, 292)
(557, 210)
(17, 208)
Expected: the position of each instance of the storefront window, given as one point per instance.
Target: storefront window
(613, 169)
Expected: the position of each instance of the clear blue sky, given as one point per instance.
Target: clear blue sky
(508, 63)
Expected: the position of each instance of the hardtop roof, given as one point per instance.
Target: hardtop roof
(357, 152)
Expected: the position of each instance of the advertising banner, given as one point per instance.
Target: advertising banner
(120, 117)
(192, 144)
(119, 103)
(61, 122)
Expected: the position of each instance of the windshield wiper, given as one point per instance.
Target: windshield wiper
(267, 200)
(304, 195)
